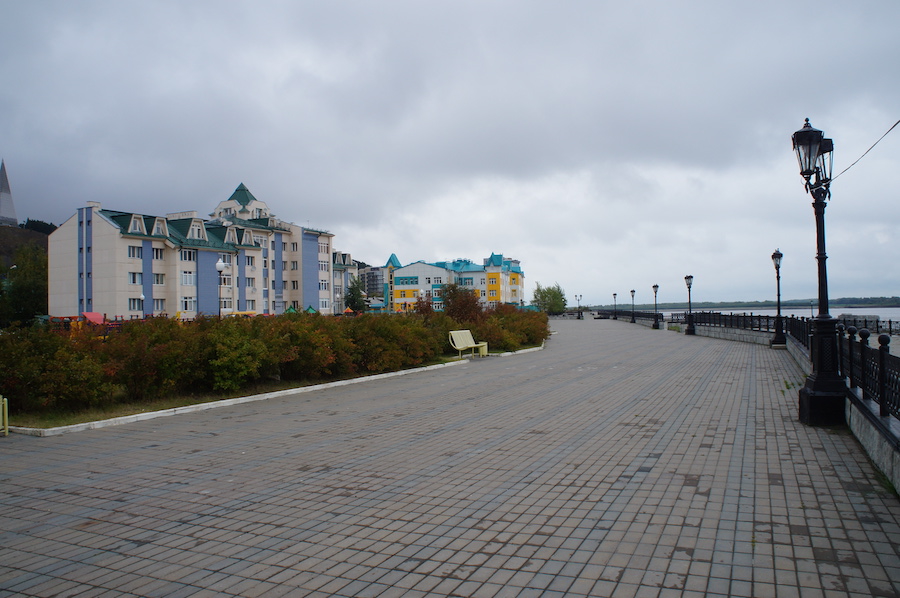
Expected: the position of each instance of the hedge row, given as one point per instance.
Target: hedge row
(43, 370)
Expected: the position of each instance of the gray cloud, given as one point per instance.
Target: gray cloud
(606, 145)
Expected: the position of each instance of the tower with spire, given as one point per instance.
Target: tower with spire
(7, 209)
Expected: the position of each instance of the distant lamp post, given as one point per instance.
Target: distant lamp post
(220, 267)
(778, 341)
(632, 306)
(578, 301)
(143, 311)
(655, 310)
(615, 310)
(689, 281)
(821, 400)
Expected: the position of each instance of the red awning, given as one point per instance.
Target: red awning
(93, 317)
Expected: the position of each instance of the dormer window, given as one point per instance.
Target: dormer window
(159, 228)
(196, 231)
(231, 236)
(137, 226)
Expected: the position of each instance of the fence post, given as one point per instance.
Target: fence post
(863, 355)
(851, 341)
(840, 341)
(883, 340)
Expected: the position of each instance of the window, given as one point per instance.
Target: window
(492, 293)
(427, 280)
(136, 304)
(323, 285)
(284, 246)
(136, 225)
(283, 266)
(323, 304)
(188, 255)
(323, 247)
(189, 278)
(159, 305)
(159, 253)
(260, 241)
(224, 280)
(251, 260)
(135, 251)
(135, 278)
(437, 280)
(295, 304)
(196, 231)
(251, 304)
(250, 282)
(323, 266)
(225, 303)
(159, 279)
(294, 265)
(188, 304)
(295, 286)
(293, 246)
(407, 280)
(403, 294)
(265, 263)
(225, 257)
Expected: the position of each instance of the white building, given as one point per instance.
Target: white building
(129, 265)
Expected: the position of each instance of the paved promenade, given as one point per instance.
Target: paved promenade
(619, 461)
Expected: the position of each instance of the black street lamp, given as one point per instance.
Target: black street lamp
(689, 281)
(632, 306)
(822, 397)
(578, 301)
(778, 341)
(220, 267)
(655, 310)
(615, 310)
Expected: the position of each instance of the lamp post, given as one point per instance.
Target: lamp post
(655, 311)
(689, 281)
(778, 341)
(821, 400)
(578, 301)
(615, 311)
(220, 267)
(632, 306)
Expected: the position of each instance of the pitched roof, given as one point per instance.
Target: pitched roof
(242, 195)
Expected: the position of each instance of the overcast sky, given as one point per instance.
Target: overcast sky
(607, 145)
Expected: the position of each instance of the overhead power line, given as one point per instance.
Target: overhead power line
(867, 151)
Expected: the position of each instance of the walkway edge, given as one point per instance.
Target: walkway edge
(127, 419)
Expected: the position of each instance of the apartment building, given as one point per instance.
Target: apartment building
(243, 259)
(496, 280)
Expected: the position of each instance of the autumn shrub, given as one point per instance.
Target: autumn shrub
(44, 371)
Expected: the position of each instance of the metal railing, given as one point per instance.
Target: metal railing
(875, 372)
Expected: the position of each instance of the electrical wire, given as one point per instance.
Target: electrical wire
(867, 151)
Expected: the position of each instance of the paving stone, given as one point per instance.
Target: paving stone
(618, 461)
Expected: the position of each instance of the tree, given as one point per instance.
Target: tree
(23, 286)
(355, 296)
(38, 226)
(549, 299)
(461, 303)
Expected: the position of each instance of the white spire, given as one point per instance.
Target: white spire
(7, 209)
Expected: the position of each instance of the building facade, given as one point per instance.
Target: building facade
(497, 280)
(243, 259)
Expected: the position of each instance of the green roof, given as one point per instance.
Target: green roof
(242, 195)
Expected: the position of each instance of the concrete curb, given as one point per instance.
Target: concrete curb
(128, 419)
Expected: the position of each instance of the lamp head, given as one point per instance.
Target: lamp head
(689, 280)
(655, 288)
(806, 143)
(776, 259)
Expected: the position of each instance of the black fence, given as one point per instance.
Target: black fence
(874, 371)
